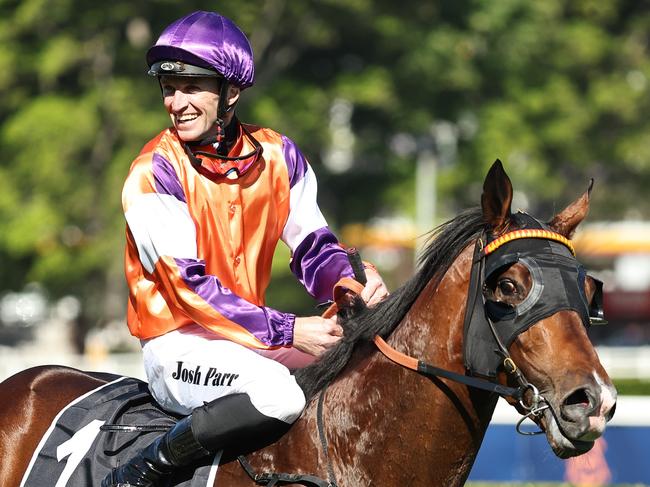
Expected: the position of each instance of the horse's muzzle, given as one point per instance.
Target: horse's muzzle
(575, 422)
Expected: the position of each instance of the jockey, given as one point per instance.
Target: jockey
(206, 202)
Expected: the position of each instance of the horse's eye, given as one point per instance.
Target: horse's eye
(507, 287)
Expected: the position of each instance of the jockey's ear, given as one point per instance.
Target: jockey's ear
(233, 95)
(496, 198)
(568, 219)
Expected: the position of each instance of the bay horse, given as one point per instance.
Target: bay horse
(376, 423)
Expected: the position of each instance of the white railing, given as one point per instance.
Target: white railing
(626, 362)
(128, 364)
(620, 362)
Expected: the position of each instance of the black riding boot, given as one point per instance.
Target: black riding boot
(230, 423)
(176, 448)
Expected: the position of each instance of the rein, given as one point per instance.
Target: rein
(429, 370)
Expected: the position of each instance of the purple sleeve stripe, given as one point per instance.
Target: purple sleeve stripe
(319, 262)
(268, 325)
(166, 179)
(296, 162)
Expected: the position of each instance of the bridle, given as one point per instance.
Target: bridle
(519, 245)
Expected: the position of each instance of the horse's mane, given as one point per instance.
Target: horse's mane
(445, 244)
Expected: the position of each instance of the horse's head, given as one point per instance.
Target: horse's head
(539, 301)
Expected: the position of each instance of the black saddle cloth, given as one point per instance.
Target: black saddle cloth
(76, 452)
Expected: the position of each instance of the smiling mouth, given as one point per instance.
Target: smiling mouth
(186, 118)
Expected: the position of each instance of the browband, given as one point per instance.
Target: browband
(527, 233)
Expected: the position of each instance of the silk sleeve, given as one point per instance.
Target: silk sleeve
(317, 258)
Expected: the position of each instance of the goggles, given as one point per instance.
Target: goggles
(558, 283)
(231, 167)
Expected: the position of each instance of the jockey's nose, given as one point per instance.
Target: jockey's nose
(179, 101)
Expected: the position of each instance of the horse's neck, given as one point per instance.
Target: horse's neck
(432, 330)
(432, 430)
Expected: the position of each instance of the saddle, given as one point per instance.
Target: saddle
(107, 426)
(77, 450)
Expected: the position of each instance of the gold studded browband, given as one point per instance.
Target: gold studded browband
(527, 233)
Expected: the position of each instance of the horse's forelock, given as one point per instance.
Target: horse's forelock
(445, 244)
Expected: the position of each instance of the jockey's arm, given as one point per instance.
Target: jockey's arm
(317, 258)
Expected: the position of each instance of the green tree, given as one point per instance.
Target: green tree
(557, 89)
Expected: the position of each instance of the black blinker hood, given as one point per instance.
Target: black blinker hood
(558, 284)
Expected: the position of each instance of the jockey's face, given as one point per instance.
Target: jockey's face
(192, 105)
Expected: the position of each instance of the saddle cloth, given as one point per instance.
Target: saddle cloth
(74, 452)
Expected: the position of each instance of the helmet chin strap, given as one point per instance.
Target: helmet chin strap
(222, 110)
(218, 138)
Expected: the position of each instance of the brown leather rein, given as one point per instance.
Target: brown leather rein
(347, 284)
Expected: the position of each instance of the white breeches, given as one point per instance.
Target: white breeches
(189, 367)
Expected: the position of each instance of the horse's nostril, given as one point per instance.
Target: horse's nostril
(578, 398)
(577, 406)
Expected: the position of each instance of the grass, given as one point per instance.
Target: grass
(632, 387)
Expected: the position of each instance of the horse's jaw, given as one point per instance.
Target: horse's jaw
(562, 446)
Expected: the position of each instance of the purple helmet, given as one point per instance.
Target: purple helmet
(200, 41)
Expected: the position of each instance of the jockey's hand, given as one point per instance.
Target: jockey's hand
(375, 289)
(314, 334)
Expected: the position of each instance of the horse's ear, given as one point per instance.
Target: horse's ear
(568, 219)
(497, 197)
